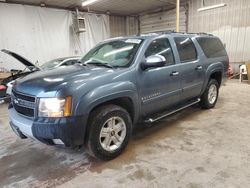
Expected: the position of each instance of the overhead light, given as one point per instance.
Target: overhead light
(88, 2)
(43, 5)
(212, 7)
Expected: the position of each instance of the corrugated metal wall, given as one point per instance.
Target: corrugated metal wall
(230, 23)
(163, 21)
(132, 25)
(160, 21)
(117, 26)
(122, 25)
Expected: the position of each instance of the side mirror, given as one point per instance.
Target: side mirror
(153, 61)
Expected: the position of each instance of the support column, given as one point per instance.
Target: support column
(177, 15)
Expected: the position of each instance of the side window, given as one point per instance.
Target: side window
(186, 49)
(212, 47)
(161, 47)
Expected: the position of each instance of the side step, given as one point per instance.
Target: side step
(168, 113)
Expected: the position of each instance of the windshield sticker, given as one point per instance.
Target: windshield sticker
(135, 41)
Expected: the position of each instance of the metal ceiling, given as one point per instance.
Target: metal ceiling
(119, 7)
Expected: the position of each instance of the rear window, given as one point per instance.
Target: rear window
(212, 47)
(186, 49)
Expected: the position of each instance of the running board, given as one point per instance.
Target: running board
(161, 116)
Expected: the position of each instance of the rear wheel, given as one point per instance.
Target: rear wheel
(109, 132)
(210, 96)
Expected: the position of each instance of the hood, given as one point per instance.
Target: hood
(48, 83)
(23, 60)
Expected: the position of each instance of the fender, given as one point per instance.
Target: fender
(107, 93)
(212, 68)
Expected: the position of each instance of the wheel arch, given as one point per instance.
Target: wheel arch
(124, 102)
(214, 71)
(217, 75)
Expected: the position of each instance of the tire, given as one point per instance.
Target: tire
(107, 121)
(207, 102)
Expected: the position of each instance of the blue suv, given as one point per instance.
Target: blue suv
(120, 82)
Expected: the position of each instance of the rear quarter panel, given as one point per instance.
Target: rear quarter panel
(212, 66)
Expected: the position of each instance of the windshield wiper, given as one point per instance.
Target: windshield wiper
(99, 64)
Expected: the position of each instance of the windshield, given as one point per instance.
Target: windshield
(51, 64)
(117, 53)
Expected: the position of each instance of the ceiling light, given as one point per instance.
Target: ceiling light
(43, 5)
(88, 2)
(212, 7)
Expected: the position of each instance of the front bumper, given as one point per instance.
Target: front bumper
(69, 131)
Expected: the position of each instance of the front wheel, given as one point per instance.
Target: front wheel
(109, 132)
(210, 96)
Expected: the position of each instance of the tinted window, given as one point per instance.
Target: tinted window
(212, 47)
(161, 47)
(186, 49)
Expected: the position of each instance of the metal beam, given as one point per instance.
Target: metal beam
(65, 8)
(177, 15)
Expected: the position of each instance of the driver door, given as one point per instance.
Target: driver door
(160, 88)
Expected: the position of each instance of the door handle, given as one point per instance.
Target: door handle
(198, 67)
(175, 73)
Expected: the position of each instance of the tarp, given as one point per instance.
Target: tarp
(41, 34)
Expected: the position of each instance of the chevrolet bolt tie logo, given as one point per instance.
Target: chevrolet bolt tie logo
(16, 101)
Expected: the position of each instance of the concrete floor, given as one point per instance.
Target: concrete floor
(191, 149)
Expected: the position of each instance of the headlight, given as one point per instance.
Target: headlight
(54, 107)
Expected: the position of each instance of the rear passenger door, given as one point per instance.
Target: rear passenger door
(191, 67)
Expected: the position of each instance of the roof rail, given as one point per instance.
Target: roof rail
(199, 33)
(172, 31)
(203, 33)
(156, 33)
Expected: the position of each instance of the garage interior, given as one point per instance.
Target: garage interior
(193, 148)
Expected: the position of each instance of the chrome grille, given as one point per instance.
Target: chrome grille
(23, 104)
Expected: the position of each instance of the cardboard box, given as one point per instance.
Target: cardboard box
(4, 75)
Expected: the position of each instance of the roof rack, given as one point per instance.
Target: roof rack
(172, 31)
(203, 33)
(156, 33)
(199, 33)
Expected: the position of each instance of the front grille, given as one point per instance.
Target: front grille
(23, 110)
(23, 104)
(23, 96)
